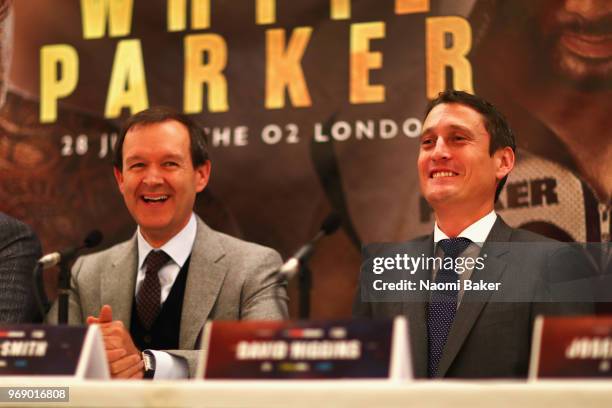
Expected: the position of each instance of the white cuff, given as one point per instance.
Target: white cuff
(169, 367)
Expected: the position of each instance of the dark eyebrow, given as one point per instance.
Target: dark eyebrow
(463, 129)
(137, 158)
(174, 157)
(133, 158)
(425, 133)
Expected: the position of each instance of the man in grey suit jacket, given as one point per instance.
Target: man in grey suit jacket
(19, 251)
(156, 291)
(466, 153)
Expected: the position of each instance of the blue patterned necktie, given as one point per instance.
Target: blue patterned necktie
(442, 304)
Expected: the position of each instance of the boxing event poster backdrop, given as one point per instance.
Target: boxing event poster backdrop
(310, 106)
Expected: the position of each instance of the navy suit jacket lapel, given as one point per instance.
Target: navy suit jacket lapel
(473, 302)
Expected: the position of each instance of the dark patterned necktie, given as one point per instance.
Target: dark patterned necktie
(443, 304)
(148, 299)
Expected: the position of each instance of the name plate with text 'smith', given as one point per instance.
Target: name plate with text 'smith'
(28, 350)
(306, 350)
(571, 347)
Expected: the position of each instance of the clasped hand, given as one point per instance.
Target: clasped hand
(124, 358)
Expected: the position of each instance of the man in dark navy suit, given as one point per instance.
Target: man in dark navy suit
(466, 152)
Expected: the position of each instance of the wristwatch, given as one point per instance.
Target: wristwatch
(149, 364)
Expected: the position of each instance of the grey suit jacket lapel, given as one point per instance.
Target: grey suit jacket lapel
(206, 275)
(117, 286)
(473, 302)
(416, 311)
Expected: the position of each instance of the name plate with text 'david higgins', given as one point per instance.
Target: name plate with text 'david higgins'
(306, 350)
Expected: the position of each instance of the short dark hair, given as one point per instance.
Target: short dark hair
(495, 123)
(197, 138)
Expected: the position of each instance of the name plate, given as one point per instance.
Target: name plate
(305, 350)
(52, 351)
(571, 347)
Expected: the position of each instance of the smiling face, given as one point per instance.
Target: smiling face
(454, 164)
(158, 181)
(578, 37)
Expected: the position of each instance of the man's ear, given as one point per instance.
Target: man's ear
(119, 178)
(202, 175)
(504, 162)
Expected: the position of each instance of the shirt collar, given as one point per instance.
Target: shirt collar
(477, 232)
(178, 247)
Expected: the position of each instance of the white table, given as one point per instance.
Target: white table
(315, 394)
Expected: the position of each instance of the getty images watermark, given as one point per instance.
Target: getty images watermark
(410, 264)
(495, 271)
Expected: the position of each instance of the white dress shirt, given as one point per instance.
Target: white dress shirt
(178, 248)
(477, 233)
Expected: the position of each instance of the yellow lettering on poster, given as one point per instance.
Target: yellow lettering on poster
(340, 9)
(411, 6)
(97, 14)
(177, 14)
(198, 73)
(59, 75)
(284, 69)
(362, 61)
(200, 14)
(127, 87)
(439, 56)
(265, 12)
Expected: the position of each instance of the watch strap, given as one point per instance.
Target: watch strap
(148, 359)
